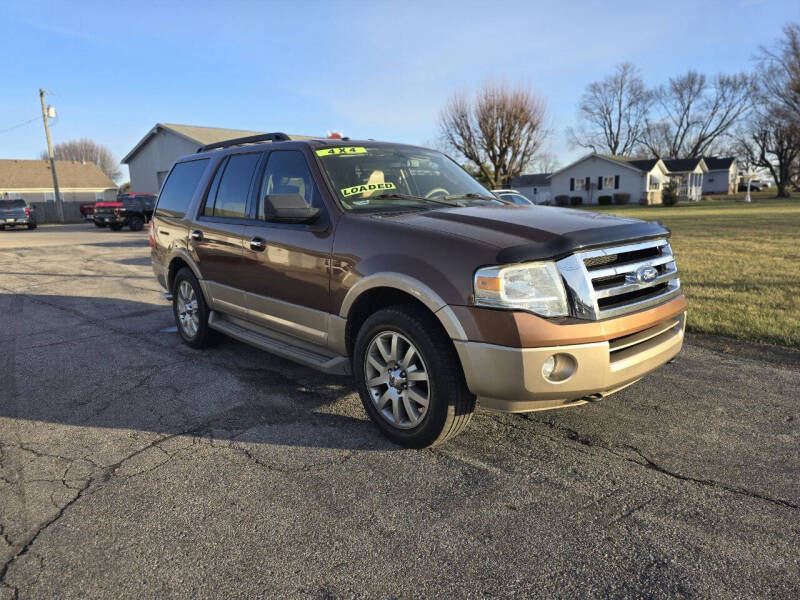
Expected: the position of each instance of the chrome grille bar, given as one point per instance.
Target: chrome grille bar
(594, 288)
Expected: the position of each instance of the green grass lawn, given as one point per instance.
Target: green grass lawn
(739, 264)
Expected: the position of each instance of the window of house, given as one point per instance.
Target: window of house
(654, 184)
(608, 183)
(99, 196)
(49, 196)
(228, 194)
(12, 195)
(580, 184)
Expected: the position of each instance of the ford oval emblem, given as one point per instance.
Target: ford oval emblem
(646, 274)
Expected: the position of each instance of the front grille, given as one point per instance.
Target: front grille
(609, 282)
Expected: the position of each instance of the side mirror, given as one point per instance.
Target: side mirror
(288, 208)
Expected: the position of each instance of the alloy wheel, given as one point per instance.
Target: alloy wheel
(188, 316)
(397, 379)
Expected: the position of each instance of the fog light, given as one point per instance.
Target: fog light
(559, 367)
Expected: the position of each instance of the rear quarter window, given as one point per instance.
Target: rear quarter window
(179, 189)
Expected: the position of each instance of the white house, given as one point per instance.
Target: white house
(721, 177)
(535, 187)
(153, 156)
(599, 176)
(688, 174)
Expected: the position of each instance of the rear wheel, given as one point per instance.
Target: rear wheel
(410, 379)
(115, 226)
(191, 311)
(136, 223)
(98, 224)
(32, 225)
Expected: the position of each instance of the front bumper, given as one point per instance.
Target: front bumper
(510, 379)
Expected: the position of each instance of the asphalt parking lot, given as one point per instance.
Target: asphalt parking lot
(133, 466)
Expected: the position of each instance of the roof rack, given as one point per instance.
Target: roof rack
(250, 139)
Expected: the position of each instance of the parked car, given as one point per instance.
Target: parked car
(16, 213)
(755, 186)
(390, 263)
(87, 211)
(513, 196)
(129, 210)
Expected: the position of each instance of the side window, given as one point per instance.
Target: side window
(179, 189)
(287, 173)
(228, 194)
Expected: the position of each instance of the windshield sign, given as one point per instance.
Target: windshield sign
(381, 177)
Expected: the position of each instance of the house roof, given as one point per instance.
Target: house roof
(637, 164)
(682, 165)
(17, 174)
(715, 163)
(531, 179)
(198, 134)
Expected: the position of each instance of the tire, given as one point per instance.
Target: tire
(96, 224)
(2, 227)
(32, 225)
(115, 226)
(201, 335)
(450, 403)
(136, 223)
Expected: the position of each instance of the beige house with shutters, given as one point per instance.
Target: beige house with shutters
(32, 180)
(597, 176)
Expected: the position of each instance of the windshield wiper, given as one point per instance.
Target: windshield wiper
(443, 201)
(472, 196)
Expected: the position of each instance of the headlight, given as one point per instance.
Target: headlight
(535, 287)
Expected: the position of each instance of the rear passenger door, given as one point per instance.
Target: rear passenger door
(170, 223)
(288, 286)
(216, 237)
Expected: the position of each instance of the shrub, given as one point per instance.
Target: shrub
(562, 200)
(669, 195)
(575, 200)
(621, 198)
(604, 200)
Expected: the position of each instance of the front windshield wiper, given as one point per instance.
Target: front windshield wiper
(444, 201)
(473, 196)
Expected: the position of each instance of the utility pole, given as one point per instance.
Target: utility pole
(59, 204)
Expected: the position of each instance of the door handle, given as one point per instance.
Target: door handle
(163, 232)
(197, 235)
(257, 244)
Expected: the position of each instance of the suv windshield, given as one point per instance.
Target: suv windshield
(380, 177)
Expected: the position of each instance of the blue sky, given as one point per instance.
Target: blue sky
(375, 69)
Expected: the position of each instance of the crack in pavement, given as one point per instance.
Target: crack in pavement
(648, 463)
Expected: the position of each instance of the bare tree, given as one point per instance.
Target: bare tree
(612, 113)
(781, 74)
(545, 162)
(773, 143)
(85, 150)
(772, 137)
(499, 132)
(694, 113)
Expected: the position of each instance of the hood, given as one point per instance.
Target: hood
(534, 232)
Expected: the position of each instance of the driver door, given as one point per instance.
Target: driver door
(288, 282)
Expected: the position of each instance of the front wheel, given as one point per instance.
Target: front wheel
(409, 377)
(115, 226)
(99, 224)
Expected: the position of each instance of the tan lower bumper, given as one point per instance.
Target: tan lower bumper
(511, 380)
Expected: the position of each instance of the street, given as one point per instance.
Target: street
(134, 466)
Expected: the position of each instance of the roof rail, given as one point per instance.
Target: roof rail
(250, 139)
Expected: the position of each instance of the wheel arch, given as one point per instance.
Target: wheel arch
(379, 291)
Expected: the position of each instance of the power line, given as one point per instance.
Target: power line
(19, 124)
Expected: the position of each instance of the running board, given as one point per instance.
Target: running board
(334, 365)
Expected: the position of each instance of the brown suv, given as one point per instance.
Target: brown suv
(391, 263)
